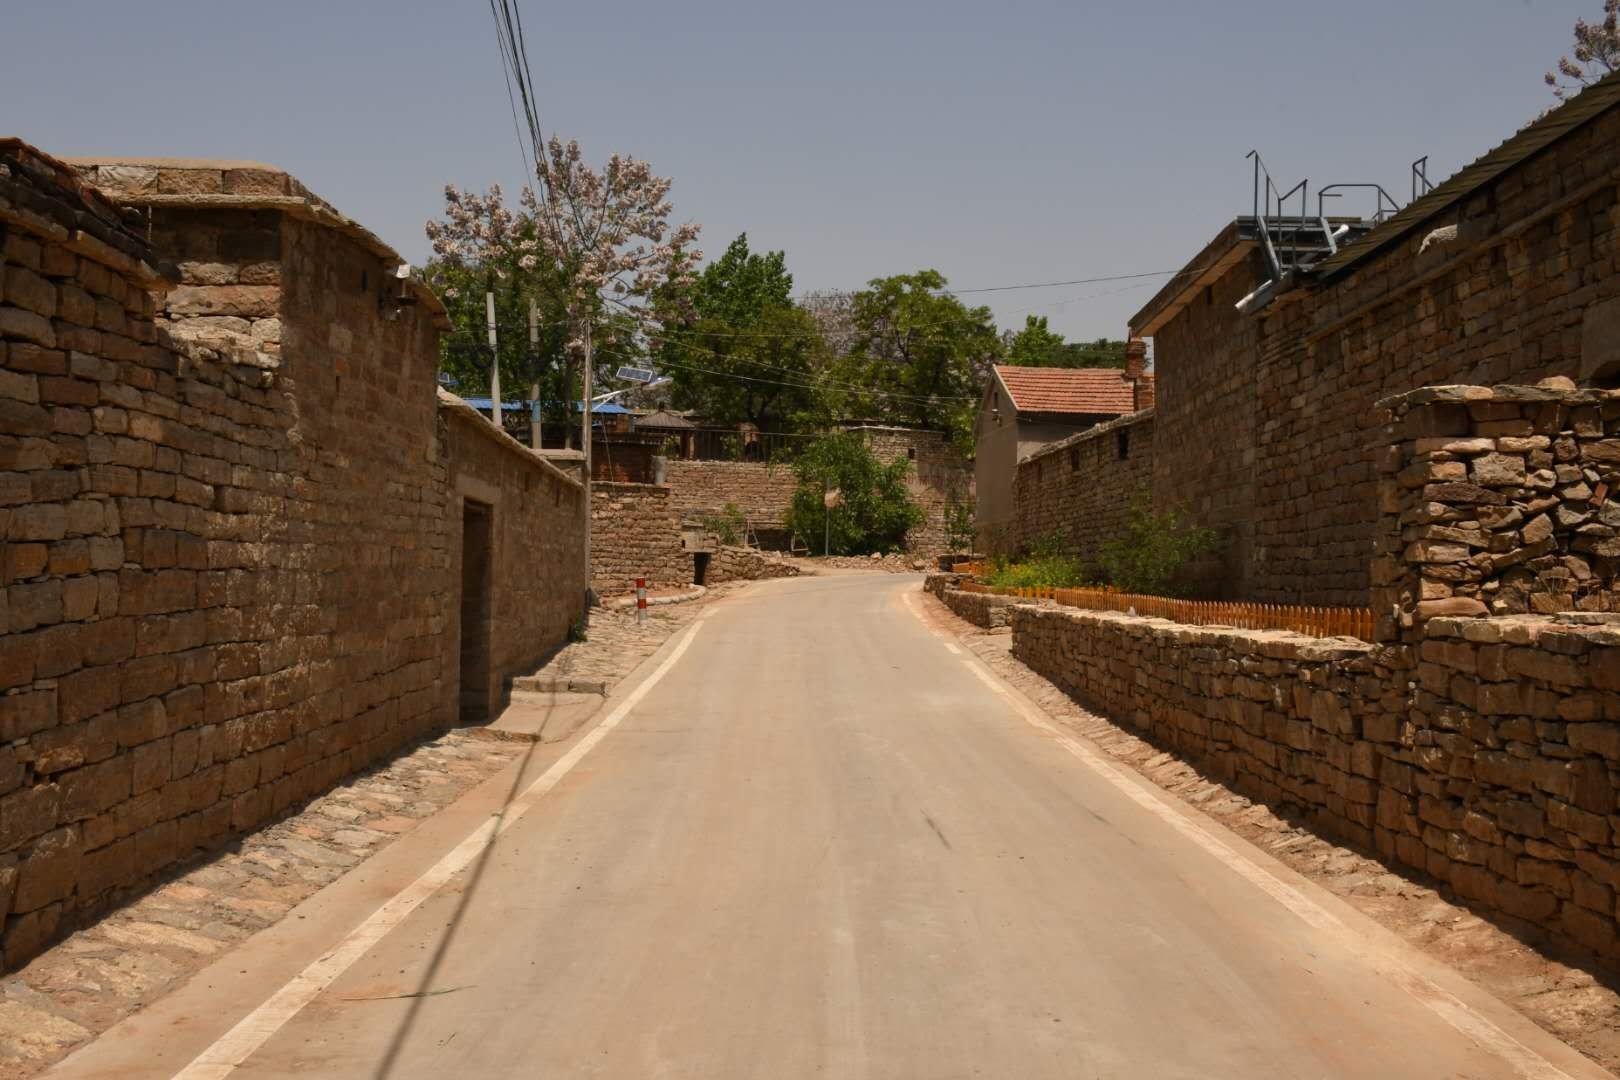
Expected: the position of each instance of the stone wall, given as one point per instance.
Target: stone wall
(1479, 741)
(1498, 776)
(635, 532)
(1080, 488)
(762, 491)
(731, 563)
(535, 585)
(940, 477)
(981, 609)
(1498, 500)
(228, 558)
(1267, 424)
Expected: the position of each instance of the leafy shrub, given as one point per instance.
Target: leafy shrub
(877, 511)
(1046, 563)
(728, 525)
(1054, 571)
(1154, 548)
(960, 530)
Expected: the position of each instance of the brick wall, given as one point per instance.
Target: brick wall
(1081, 487)
(636, 532)
(1267, 424)
(230, 571)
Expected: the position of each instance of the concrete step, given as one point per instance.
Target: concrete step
(532, 716)
(546, 684)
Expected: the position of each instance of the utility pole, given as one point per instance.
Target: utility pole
(494, 364)
(585, 444)
(534, 387)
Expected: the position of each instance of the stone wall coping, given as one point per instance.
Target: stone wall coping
(269, 188)
(458, 409)
(49, 198)
(1557, 632)
(1561, 390)
(1272, 644)
(611, 486)
(1096, 431)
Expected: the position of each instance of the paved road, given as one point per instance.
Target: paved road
(823, 846)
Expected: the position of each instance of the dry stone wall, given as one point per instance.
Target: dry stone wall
(1497, 775)
(1497, 500)
(1080, 488)
(731, 563)
(227, 553)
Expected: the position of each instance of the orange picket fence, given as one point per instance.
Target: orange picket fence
(1316, 621)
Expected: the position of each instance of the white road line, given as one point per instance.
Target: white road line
(257, 1027)
(1438, 1000)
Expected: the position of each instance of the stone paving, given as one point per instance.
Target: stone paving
(1567, 991)
(96, 977)
(615, 643)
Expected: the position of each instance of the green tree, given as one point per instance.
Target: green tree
(877, 510)
(921, 353)
(746, 353)
(1036, 345)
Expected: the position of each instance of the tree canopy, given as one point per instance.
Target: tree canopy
(1596, 53)
(1038, 346)
(918, 355)
(746, 353)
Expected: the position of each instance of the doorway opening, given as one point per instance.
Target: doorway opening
(475, 613)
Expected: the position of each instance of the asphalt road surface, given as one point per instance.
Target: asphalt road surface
(825, 844)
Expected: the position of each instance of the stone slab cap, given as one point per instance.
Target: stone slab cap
(457, 406)
(1557, 389)
(48, 197)
(217, 183)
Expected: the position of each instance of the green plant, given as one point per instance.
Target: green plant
(727, 525)
(960, 530)
(875, 512)
(1154, 548)
(1046, 563)
(576, 629)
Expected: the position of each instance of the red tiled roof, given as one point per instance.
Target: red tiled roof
(1067, 390)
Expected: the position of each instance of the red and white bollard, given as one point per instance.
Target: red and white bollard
(641, 601)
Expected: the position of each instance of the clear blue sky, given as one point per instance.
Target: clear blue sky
(1006, 143)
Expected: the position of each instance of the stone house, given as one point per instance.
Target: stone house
(248, 547)
(1509, 272)
(1024, 409)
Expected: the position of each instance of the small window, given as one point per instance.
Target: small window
(911, 453)
(1074, 459)
(1122, 443)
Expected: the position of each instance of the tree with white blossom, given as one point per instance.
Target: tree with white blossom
(1596, 54)
(592, 247)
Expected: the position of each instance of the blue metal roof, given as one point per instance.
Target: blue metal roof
(603, 408)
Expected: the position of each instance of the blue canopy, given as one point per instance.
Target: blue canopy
(483, 404)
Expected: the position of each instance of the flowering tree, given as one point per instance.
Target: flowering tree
(1596, 53)
(596, 249)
